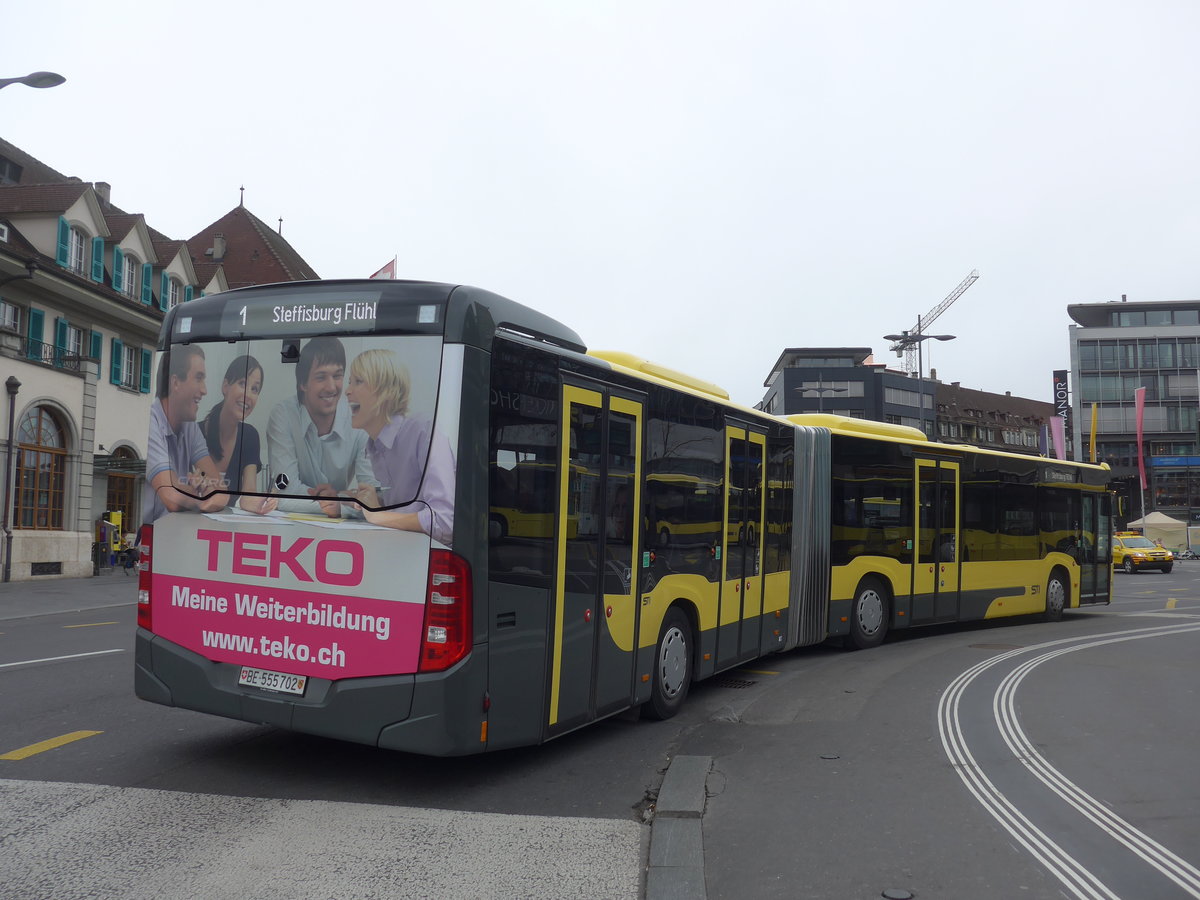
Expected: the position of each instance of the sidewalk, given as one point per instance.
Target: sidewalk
(19, 599)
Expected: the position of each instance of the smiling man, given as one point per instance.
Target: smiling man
(179, 469)
(310, 439)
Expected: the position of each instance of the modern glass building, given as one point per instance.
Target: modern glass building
(846, 381)
(1117, 348)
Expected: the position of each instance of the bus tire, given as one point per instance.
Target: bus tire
(868, 615)
(1056, 597)
(497, 528)
(672, 666)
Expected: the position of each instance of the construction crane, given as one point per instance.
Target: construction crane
(908, 349)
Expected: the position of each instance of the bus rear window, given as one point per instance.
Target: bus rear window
(329, 427)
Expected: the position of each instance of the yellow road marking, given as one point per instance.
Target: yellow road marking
(1171, 603)
(757, 672)
(91, 624)
(43, 746)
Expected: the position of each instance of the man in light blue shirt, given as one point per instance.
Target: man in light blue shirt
(179, 469)
(312, 447)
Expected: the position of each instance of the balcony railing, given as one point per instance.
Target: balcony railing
(49, 355)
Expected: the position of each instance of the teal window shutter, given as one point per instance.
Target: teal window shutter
(98, 259)
(36, 320)
(187, 293)
(147, 281)
(115, 363)
(118, 279)
(96, 341)
(63, 255)
(60, 340)
(164, 291)
(145, 388)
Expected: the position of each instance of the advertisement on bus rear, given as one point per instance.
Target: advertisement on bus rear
(289, 596)
(295, 487)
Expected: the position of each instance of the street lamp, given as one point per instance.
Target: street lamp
(904, 341)
(35, 80)
(12, 385)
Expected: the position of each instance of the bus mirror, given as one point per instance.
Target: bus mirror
(290, 352)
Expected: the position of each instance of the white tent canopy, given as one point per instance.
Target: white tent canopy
(1160, 527)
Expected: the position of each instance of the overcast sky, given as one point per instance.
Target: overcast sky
(702, 184)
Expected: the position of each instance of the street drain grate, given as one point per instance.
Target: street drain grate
(735, 683)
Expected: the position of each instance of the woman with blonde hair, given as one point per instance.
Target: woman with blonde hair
(413, 463)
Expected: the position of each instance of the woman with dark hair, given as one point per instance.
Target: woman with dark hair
(233, 443)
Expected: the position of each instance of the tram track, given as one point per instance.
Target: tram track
(1076, 877)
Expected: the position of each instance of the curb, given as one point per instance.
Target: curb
(676, 868)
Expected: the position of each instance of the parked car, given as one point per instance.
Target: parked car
(1133, 553)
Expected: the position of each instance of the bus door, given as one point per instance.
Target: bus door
(1094, 552)
(599, 495)
(938, 558)
(741, 559)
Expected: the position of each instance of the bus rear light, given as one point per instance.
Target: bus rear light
(447, 628)
(144, 618)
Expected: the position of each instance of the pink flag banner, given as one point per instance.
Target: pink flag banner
(1058, 430)
(1139, 402)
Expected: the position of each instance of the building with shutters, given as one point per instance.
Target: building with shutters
(83, 288)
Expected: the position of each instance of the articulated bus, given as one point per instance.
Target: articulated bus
(424, 517)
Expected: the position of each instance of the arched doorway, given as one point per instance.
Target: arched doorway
(41, 471)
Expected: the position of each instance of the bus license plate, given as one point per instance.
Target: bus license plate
(272, 681)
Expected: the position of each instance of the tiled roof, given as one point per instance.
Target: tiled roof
(969, 398)
(16, 199)
(17, 242)
(34, 170)
(121, 224)
(254, 254)
(205, 271)
(165, 248)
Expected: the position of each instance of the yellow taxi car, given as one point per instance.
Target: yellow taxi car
(1133, 553)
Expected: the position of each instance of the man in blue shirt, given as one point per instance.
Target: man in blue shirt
(179, 469)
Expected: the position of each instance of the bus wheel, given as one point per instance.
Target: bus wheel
(1056, 598)
(868, 615)
(672, 666)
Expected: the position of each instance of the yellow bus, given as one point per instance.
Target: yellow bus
(544, 535)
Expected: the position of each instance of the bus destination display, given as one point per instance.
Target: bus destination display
(264, 316)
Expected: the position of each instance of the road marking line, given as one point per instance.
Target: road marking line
(1070, 872)
(1171, 603)
(43, 746)
(91, 624)
(29, 662)
(757, 672)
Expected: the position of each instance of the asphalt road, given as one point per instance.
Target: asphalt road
(1023, 759)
